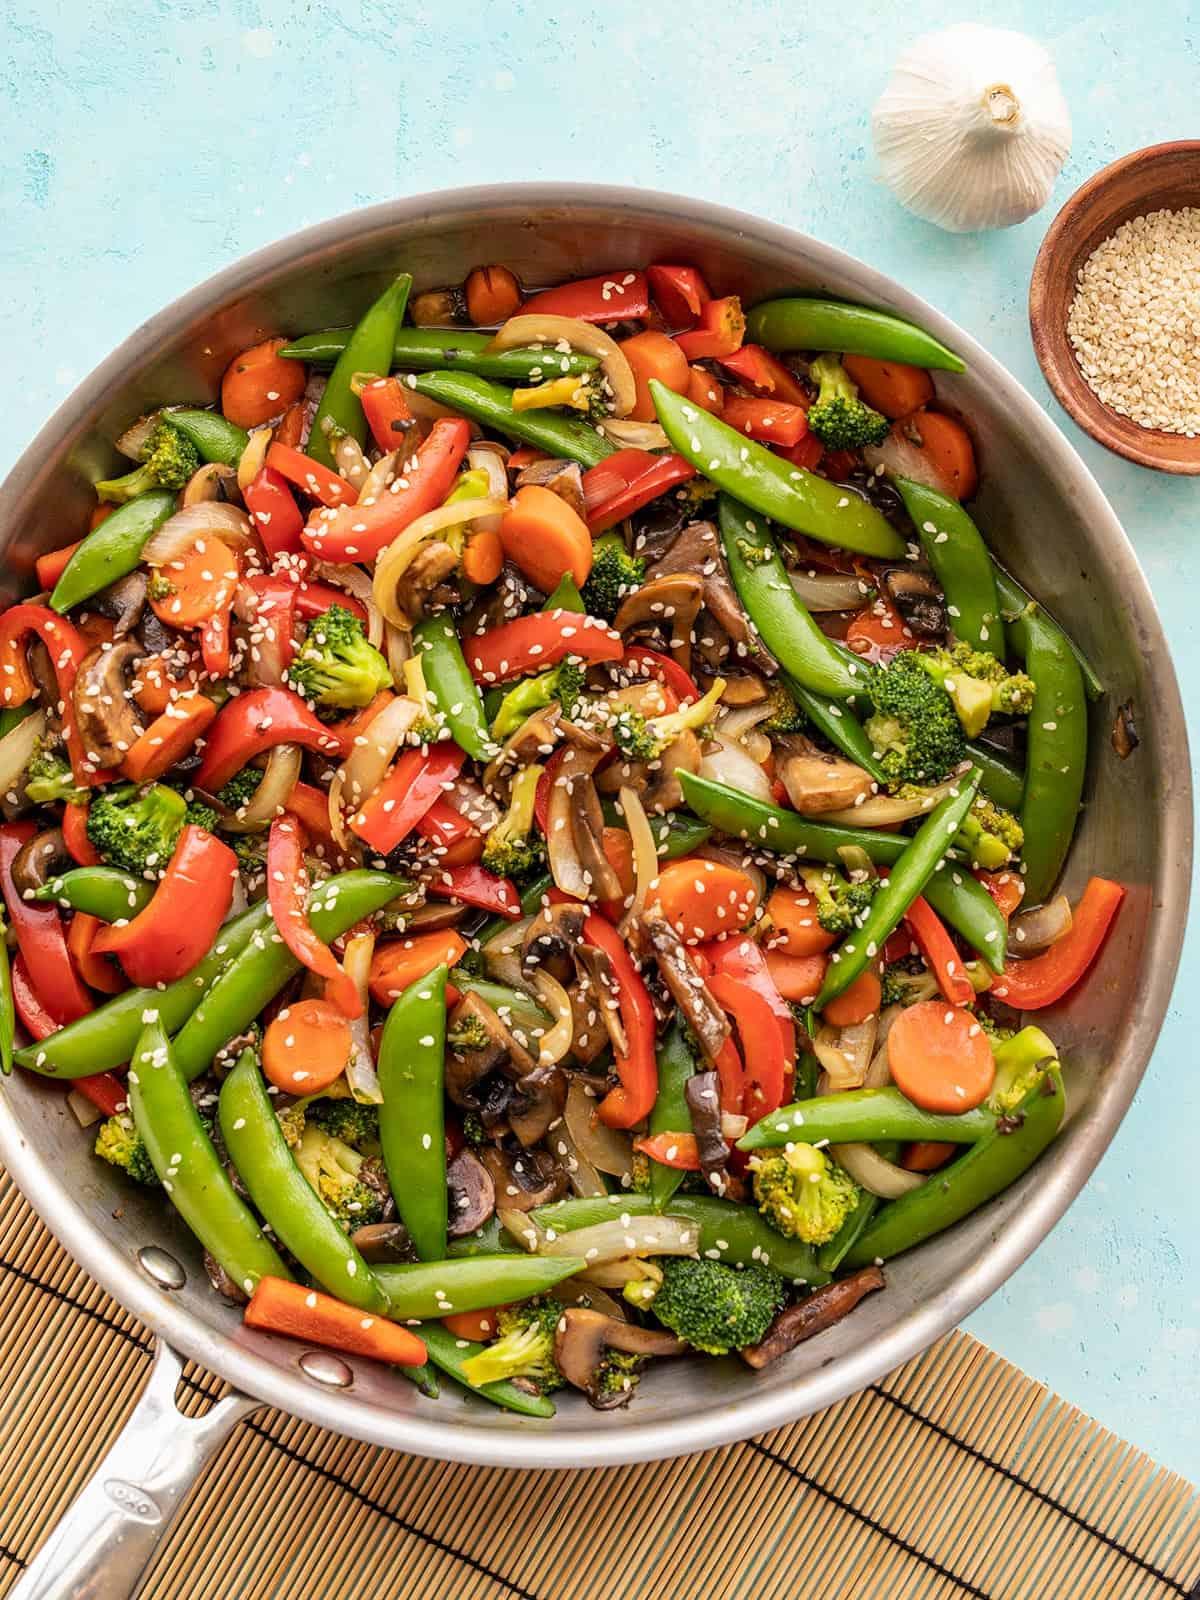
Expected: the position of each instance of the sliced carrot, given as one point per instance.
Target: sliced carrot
(75, 836)
(798, 978)
(855, 1004)
(940, 1057)
(483, 557)
(51, 567)
(704, 899)
(306, 1047)
(260, 383)
(290, 430)
(492, 294)
(95, 628)
(154, 685)
(478, 1326)
(97, 971)
(397, 963)
(279, 1306)
(546, 538)
(890, 386)
(704, 391)
(654, 355)
(947, 447)
(202, 582)
(793, 916)
(618, 852)
(169, 737)
(878, 632)
(927, 1155)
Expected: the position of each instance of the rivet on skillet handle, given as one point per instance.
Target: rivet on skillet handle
(104, 1542)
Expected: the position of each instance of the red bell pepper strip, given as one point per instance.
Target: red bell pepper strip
(359, 533)
(103, 1089)
(416, 780)
(275, 595)
(314, 598)
(388, 413)
(179, 926)
(637, 1072)
(74, 830)
(878, 633)
(215, 641)
(743, 960)
(668, 672)
(287, 896)
(680, 293)
(476, 886)
(765, 1072)
(941, 956)
(771, 421)
(255, 721)
(276, 517)
(759, 370)
(525, 457)
(531, 644)
(626, 481)
(806, 454)
(40, 935)
(678, 1150)
(67, 648)
(732, 1078)
(1007, 889)
(311, 806)
(541, 799)
(719, 332)
(444, 825)
(610, 297)
(1041, 980)
(97, 973)
(311, 477)
(50, 567)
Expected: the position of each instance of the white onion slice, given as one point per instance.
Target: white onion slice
(562, 853)
(492, 459)
(349, 460)
(274, 789)
(361, 1076)
(645, 852)
(1031, 931)
(731, 765)
(380, 475)
(634, 435)
(616, 1274)
(397, 646)
(583, 1177)
(875, 1173)
(845, 1053)
(735, 722)
(606, 1148)
(584, 337)
(363, 770)
(625, 1235)
(136, 437)
(556, 1040)
(16, 748)
(901, 457)
(82, 1109)
(829, 591)
(393, 561)
(885, 810)
(253, 457)
(206, 519)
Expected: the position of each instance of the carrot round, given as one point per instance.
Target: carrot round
(855, 1004)
(306, 1047)
(279, 1306)
(493, 294)
(654, 355)
(703, 899)
(545, 538)
(797, 978)
(169, 737)
(927, 1155)
(794, 919)
(153, 685)
(940, 1057)
(400, 962)
(704, 391)
(890, 386)
(201, 583)
(260, 383)
(947, 446)
(478, 1326)
(483, 557)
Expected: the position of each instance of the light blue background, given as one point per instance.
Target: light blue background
(144, 146)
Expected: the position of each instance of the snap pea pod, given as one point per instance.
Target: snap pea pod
(952, 892)
(216, 439)
(907, 880)
(670, 1113)
(513, 1004)
(1000, 782)
(1010, 1148)
(782, 620)
(831, 1254)
(368, 349)
(566, 596)
(256, 976)
(1056, 749)
(106, 1037)
(282, 1194)
(103, 892)
(449, 1354)
(839, 725)
(1014, 599)
(770, 484)
(471, 1283)
(8, 1010)
(491, 405)
(112, 550)
(412, 1129)
(954, 548)
(803, 323)
(807, 1074)
(447, 350)
(452, 687)
(862, 1116)
(193, 1175)
(12, 715)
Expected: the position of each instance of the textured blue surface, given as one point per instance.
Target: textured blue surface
(146, 145)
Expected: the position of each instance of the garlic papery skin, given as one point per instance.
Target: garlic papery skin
(972, 129)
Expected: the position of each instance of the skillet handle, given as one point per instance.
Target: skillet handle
(107, 1537)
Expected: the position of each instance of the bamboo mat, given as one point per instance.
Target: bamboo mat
(956, 1476)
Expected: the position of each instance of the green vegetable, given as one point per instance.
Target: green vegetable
(837, 723)
(563, 683)
(1000, 782)
(717, 1308)
(906, 981)
(861, 1116)
(523, 1349)
(136, 829)
(831, 1255)
(838, 417)
(48, 776)
(990, 835)
(787, 712)
(368, 349)
(645, 738)
(514, 846)
(1020, 1061)
(914, 727)
(168, 461)
(451, 687)
(120, 1144)
(954, 548)
(352, 1121)
(1014, 599)
(8, 1010)
(841, 904)
(803, 1193)
(213, 436)
(770, 484)
(979, 684)
(803, 323)
(336, 667)
(451, 1355)
(334, 1172)
(670, 1113)
(474, 1283)
(491, 405)
(241, 788)
(112, 550)
(412, 1116)
(614, 575)
(445, 349)
(566, 596)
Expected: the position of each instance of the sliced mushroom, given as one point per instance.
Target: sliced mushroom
(384, 1243)
(817, 781)
(536, 1104)
(534, 740)
(39, 860)
(596, 968)
(416, 585)
(466, 1069)
(587, 826)
(918, 600)
(670, 604)
(590, 1035)
(104, 714)
(698, 550)
(526, 1181)
(744, 689)
(472, 1194)
(656, 782)
(819, 1311)
(563, 478)
(504, 600)
(122, 602)
(702, 1013)
(703, 1095)
(212, 481)
(552, 939)
(583, 1336)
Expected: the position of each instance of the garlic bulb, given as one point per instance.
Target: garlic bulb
(972, 129)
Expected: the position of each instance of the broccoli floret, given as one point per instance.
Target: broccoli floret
(803, 1193)
(906, 981)
(979, 684)
(427, 729)
(136, 828)
(991, 836)
(717, 1308)
(786, 716)
(334, 1169)
(914, 728)
(241, 788)
(336, 667)
(563, 683)
(639, 1173)
(120, 1144)
(995, 1032)
(513, 847)
(351, 1121)
(838, 417)
(841, 903)
(49, 777)
(251, 852)
(473, 1129)
(619, 1373)
(168, 461)
(292, 1120)
(1020, 1060)
(614, 575)
(198, 815)
(468, 1034)
(645, 738)
(524, 1347)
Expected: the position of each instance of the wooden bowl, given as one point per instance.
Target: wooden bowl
(1161, 177)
